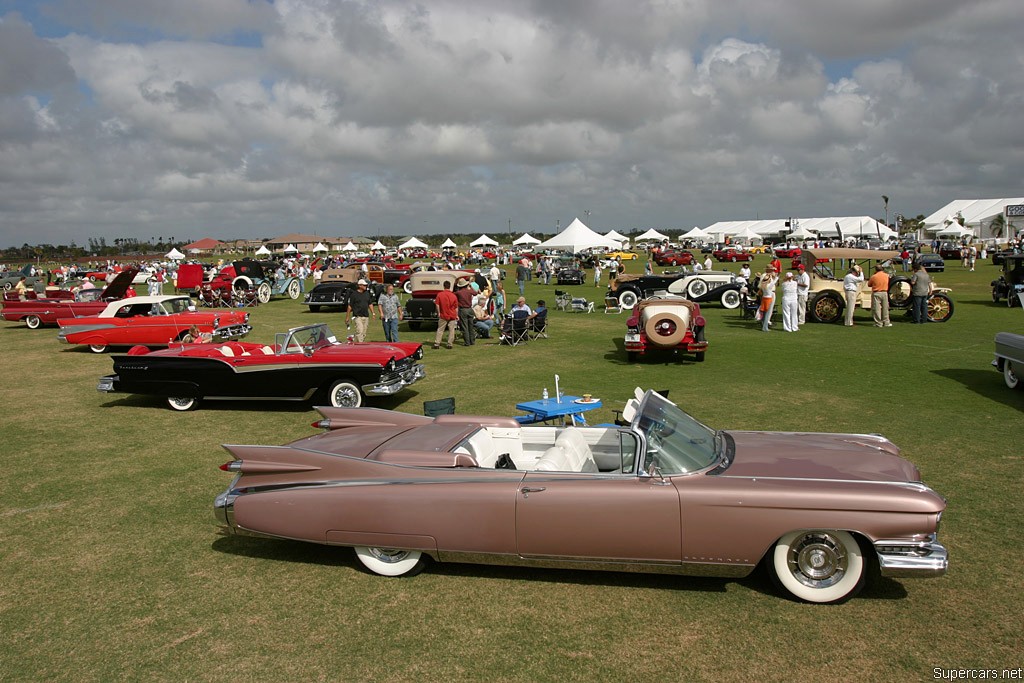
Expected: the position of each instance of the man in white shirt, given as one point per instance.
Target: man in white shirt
(851, 285)
(707, 263)
(494, 275)
(803, 288)
(745, 271)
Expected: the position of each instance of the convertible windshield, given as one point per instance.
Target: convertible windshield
(676, 443)
(309, 338)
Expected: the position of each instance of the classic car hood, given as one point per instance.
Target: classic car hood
(855, 457)
(118, 287)
(370, 352)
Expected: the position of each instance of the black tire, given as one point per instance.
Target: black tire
(407, 287)
(33, 322)
(8, 286)
(1012, 299)
(940, 308)
(899, 292)
(826, 307)
(733, 259)
(97, 348)
(995, 296)
(699, 356)
(314, 309)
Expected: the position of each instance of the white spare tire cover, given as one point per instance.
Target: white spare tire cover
(241, 282)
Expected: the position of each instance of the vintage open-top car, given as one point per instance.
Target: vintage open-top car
(150, 321)
(426, 285)
(305, 363)
(696, 285)
(36, 312)
(666, 322)
(663, 494)
(1011, 281)
(335, 286)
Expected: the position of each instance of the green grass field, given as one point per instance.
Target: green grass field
(112, 569)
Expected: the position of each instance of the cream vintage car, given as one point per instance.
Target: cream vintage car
(826, 301)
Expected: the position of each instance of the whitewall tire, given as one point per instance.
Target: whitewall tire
(820, 566)
(345, 394)
(389, 562)
(182, 404)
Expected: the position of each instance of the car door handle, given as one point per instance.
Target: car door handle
(527, 490)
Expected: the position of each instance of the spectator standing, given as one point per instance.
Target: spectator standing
(920, 289)
(613, 269)
(464, 294)
(360, 307)
(708, 265)
(789, 304)
(390, 313)
(494, 275)
(905, 258)
(522, 272)
(499, 300)
(447, 314)
(851, 286)
(776, 265)
(648, 268)
(803, 288)
(972, 256)
(879, 284)
(597, 271)
(768, 283)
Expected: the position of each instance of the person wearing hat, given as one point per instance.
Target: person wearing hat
(879, 284)
(522, 307)
(360, 308)
(851, 287)
(767, 286)
(789, 304)
(464, 294)
(803, 288)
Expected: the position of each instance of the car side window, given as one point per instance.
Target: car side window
(628, 446)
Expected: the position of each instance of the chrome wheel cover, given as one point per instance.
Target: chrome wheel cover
(389, 555)
(818, 560)
(345, 396)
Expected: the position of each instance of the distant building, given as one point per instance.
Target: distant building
(207, 245)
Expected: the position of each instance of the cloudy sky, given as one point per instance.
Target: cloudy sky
(248, 118)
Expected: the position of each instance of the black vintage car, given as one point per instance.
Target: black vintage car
(334, 288)
(933, 263)
(567, 275)
(1011, 281)
(696, 285)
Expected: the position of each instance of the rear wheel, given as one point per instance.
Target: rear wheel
(391, 562)
(97, 348)
(294, 289)
(819, 566)
(407, 287)
(181, 403)
(696, 288)
(631, 356)
(731, 299)
(628, 299)
(940, 308)
(33, 322)
(345, 394)
(263, 292)
(733, 259)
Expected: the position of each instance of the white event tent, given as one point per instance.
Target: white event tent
(695, 234)
(651, 234)
(350, 246)
(263, 251)
(848, 226)
(320, 247)
(978, 215)
(174, 255)
(290, 249)
(527, 238)
(482, 241)
(412, 243)
(378, 246)
(448, 244)
(618, 237)
(577, 237)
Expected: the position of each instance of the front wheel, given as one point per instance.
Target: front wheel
(696, 288)
(1010, 376)
(181, 403)
(33, 322)
(97, 348)
(819, 566)
(294, 289)
(940, 308)
(628, 299)
(731, 299)
(826, 308)
(391, 562)
(345, 394)
(733, 259)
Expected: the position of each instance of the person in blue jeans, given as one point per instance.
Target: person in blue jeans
(390, 313)
(920, 289)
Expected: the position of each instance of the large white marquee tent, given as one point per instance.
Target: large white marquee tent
(577, 237)
(977, 215)
(848, 226)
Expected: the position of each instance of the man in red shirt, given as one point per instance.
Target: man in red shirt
(447, 314)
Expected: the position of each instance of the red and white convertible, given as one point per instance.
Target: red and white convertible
(150, 321)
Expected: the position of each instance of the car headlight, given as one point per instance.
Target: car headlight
(391, 365)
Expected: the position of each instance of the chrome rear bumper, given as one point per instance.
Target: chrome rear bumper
(911, 559)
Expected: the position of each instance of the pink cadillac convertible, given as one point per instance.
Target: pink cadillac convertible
(664, 494)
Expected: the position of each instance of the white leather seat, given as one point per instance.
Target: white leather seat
(577, 450)
(553, 460)
(227, 352)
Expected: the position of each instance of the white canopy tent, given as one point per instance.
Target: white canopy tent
(527, 238)
(747, 235)
(978, 215)
(801, 233)
(577, 237)
(378, 246)
(650, 235)
(849, 226)
(320, 247)
(412, 243)
(175, 255)
(618, 237)
(290, 249)
(483, 241)
(695, 234)
(263, 251)
(448, 244)
(350, 247)
(953, 230)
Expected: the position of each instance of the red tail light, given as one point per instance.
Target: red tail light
(325, 423)
(233, 466)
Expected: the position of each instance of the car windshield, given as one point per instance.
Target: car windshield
(177, 305)
(676, 443)
(309, 338)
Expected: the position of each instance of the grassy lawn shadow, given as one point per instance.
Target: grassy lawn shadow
(987, 383)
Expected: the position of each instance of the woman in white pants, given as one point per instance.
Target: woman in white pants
(790, 307)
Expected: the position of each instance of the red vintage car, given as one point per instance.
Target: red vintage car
(150, 321)
(662, 493)
(84, 302)
(305, 363)
(665, 322)
(673, 258)
(732, 254)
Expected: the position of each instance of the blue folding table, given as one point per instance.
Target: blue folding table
(546, 409)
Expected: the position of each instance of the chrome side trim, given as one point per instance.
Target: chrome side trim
(911, 559)
(916, 485)
(599, 564)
